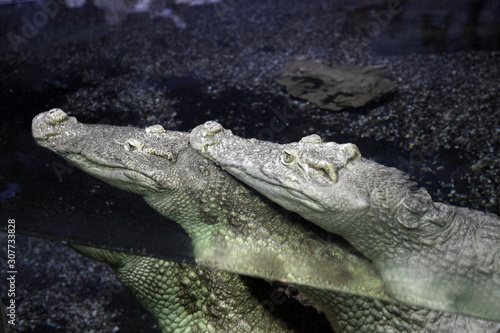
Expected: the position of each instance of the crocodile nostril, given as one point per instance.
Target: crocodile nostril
(57, 115)
(212, 127)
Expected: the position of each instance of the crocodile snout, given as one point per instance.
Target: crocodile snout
(48, 124)
(208, 134)
(54, 129)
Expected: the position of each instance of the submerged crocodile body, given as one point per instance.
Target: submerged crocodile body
(230, 227)
(186, 298)
(429, 253)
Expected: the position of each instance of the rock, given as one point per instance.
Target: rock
(335, 88)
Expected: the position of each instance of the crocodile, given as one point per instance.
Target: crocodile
(187, 298)
(430, 253)
(221, 214)
(334, 87)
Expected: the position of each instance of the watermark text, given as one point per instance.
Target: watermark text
(11, 271)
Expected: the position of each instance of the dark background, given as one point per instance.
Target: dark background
(221, 61)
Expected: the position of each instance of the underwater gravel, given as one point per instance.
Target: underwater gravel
(59, 290)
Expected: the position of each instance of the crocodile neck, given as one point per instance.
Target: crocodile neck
(397, 215)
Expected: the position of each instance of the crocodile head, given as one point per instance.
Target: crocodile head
(377, 209)
(310, 176)
(125, 157)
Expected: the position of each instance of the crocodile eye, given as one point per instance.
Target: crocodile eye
(286, 157)
(133, 145)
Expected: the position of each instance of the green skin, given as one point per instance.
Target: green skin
(428, 253)
(186, 298)
(232, 228)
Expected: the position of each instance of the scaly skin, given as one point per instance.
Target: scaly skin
(222, 216)
(428, 253)
(186, 298)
